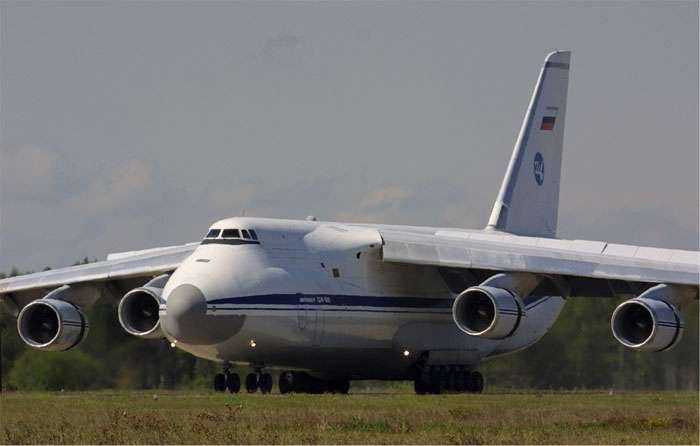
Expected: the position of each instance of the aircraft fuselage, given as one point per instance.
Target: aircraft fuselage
(317, 296)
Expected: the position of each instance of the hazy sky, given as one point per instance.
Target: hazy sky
(132, 125)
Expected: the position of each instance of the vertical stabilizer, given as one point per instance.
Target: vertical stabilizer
(528, 202)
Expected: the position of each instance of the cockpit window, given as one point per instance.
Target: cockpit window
(230, 233)
(232, 237)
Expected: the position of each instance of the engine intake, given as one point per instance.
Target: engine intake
(51, 325)
(487, 312)
(647, 324)
(138, 309)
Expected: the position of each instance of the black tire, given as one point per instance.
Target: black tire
(459, 380)
(219, 382)
(265, 383)
(302, 383)
(444, 383)
(341, 386)
(477, 382)
(468, 382)
(233, 382)
(318, 386)
(419, 386)
(452, 379)
(286, 382)
(251, 383)
(435, 380)
(305, 383)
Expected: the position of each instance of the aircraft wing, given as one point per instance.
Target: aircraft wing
(591, 268)
(114, 276)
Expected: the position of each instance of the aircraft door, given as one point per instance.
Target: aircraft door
(310, 319)
(302, 313)
(318, 326)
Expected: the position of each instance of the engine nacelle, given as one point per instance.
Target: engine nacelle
(647, 324)
(51, 325)
(138, 310)
(487, 312)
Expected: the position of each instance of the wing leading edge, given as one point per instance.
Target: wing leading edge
(118, 267)
(572, 258)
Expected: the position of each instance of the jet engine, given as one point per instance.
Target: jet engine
(138, 309)
(647, 324)
(51, 325)
(487, 312)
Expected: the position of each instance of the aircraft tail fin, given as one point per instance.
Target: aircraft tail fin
(528, 201)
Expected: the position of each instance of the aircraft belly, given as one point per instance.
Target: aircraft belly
(365, 345)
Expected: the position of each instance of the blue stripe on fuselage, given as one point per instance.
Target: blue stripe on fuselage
(344, 300)
(336, 300)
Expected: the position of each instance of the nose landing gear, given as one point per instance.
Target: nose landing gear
(255, 381)
(227, 381)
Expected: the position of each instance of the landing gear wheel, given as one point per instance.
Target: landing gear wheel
(344, 386)
(459, 380)
(251, 383)
(339, 386)
(435, 380)
(477, 381)
(265, 383)
(420, 386)
(452, 374)
(318, 386)
(444, 384)
(467, 381)
(286, 382)
(219, 382)
(233, 382)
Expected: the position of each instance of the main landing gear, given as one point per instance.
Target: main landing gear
(443, 379)
(227, 381)
(255, 381)
(300, 382)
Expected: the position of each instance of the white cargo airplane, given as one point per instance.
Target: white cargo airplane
(324, 303)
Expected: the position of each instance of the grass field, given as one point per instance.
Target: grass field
(393, 417)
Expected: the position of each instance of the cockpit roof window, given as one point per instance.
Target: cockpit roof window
(230, 233)
(213, 233)
(245, 233)
(253, 235)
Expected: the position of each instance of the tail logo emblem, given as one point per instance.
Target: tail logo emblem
(539, 168)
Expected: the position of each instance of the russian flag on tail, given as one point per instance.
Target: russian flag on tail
(547, 123)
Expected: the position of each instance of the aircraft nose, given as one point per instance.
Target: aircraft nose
(187, 321)
(185, 315)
